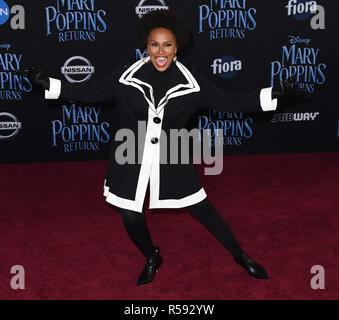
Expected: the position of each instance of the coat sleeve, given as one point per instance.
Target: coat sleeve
(213, 97)
(94, 91)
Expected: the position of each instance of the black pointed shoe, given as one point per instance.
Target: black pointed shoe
(253, 268)
(151, 267)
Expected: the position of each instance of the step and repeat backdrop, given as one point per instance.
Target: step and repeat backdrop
(237, 44)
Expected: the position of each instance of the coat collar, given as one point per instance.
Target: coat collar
(130, 78)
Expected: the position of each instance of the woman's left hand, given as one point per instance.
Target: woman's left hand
(284, 88)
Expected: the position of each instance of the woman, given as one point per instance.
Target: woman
(163, 94)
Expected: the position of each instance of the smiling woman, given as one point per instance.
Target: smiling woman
(162, 48)
(160, 91)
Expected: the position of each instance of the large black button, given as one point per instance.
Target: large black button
(154, 140)
(157, 120)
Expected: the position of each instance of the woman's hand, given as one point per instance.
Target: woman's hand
(284, 88)
(39, 81)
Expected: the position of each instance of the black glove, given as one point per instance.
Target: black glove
(284, 88)
(289, 93)
(39, 81)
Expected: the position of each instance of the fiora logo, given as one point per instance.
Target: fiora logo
(301, 9)
(226, 67)
(18, 18)
(142, 9)
(77, 69)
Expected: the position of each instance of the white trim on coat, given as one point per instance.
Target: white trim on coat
(266, 101)
(190, 87)
(150, 165)
(179, 203)
(54, 89)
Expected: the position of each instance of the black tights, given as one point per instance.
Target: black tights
(136, 227)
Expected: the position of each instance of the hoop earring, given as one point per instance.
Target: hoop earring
(143, 57)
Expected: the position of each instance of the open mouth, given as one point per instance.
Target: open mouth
(161, 61)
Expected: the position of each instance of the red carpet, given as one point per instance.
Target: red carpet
(284, 210)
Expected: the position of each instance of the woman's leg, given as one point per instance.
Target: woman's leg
(214, 222)
(136, 228)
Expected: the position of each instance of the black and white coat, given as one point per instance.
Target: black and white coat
(171, 185)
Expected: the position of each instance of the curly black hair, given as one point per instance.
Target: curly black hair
(168, 19)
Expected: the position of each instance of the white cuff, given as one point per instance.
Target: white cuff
(266, 102)
(54, 89)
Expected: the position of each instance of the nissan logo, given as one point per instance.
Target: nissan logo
(9, 126)
(77, 69)
(141, 9)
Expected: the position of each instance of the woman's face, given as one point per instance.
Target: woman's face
(161, 47)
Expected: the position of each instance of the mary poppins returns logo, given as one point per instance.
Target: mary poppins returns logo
(236, 127)
(12, 85)
(75, 20)
(300, 59)
(80, 129)
(226, 18)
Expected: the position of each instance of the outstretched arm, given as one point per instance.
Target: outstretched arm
(214, 97)
(92, 92)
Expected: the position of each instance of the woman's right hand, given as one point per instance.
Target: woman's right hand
(36, 77)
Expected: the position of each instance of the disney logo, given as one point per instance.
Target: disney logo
(299, 40)
(5, 46)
